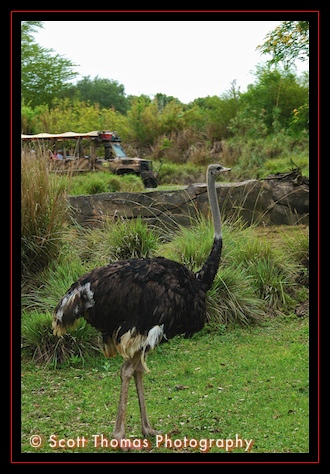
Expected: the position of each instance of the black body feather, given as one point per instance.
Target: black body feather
(137, 293)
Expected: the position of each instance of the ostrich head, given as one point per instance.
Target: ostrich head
(216, 169)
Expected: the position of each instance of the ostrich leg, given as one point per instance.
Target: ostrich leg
(147, 430)
(126, 372)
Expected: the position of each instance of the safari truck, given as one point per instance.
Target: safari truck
(67, 151)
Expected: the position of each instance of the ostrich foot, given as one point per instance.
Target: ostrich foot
(148, 431)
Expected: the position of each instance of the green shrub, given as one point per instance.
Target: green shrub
(273, 273)
(257, 157)
(114, 184)
(173, 173)
(114, 240)
(131, 183)
(104, 182)
(285, 163)
(95, 186)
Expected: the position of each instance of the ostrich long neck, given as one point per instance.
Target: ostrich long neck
(213, 200)
(210, 267)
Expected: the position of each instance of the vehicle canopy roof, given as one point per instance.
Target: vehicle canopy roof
(104, 135)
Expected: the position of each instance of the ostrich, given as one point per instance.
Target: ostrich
(139, 303)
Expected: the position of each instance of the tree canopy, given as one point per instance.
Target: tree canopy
(288, 42)
(105, 92)
(44, 74)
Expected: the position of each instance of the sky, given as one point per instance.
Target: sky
(182, 59)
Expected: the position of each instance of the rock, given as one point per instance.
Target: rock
(271, 201)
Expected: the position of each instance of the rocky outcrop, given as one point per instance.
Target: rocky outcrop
(278, 199)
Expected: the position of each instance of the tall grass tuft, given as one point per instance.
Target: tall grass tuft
(232, 299)
(117, 240)
(272, 283)
(43, 213)
(272, 273)
(133, 239)
(190, 245)
(297, 246)
(39, 341)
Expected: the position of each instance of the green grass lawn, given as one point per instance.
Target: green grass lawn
(242, 383)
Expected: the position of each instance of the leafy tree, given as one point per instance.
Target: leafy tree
(217, 113)
(288, 42)
(43, 74)
(149, 120)
(105, 92)
(174, 117)
(163, 100)
(268, 105)
(30, 117)
(143, 118)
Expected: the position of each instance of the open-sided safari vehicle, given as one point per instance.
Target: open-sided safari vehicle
(67, 151)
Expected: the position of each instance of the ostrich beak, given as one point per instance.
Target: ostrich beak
(225, 169)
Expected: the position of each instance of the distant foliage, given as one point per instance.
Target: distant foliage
(277, 103)
(107, 93)
(74, 115)
(268, 106)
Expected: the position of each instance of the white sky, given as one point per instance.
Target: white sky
(183, 59)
